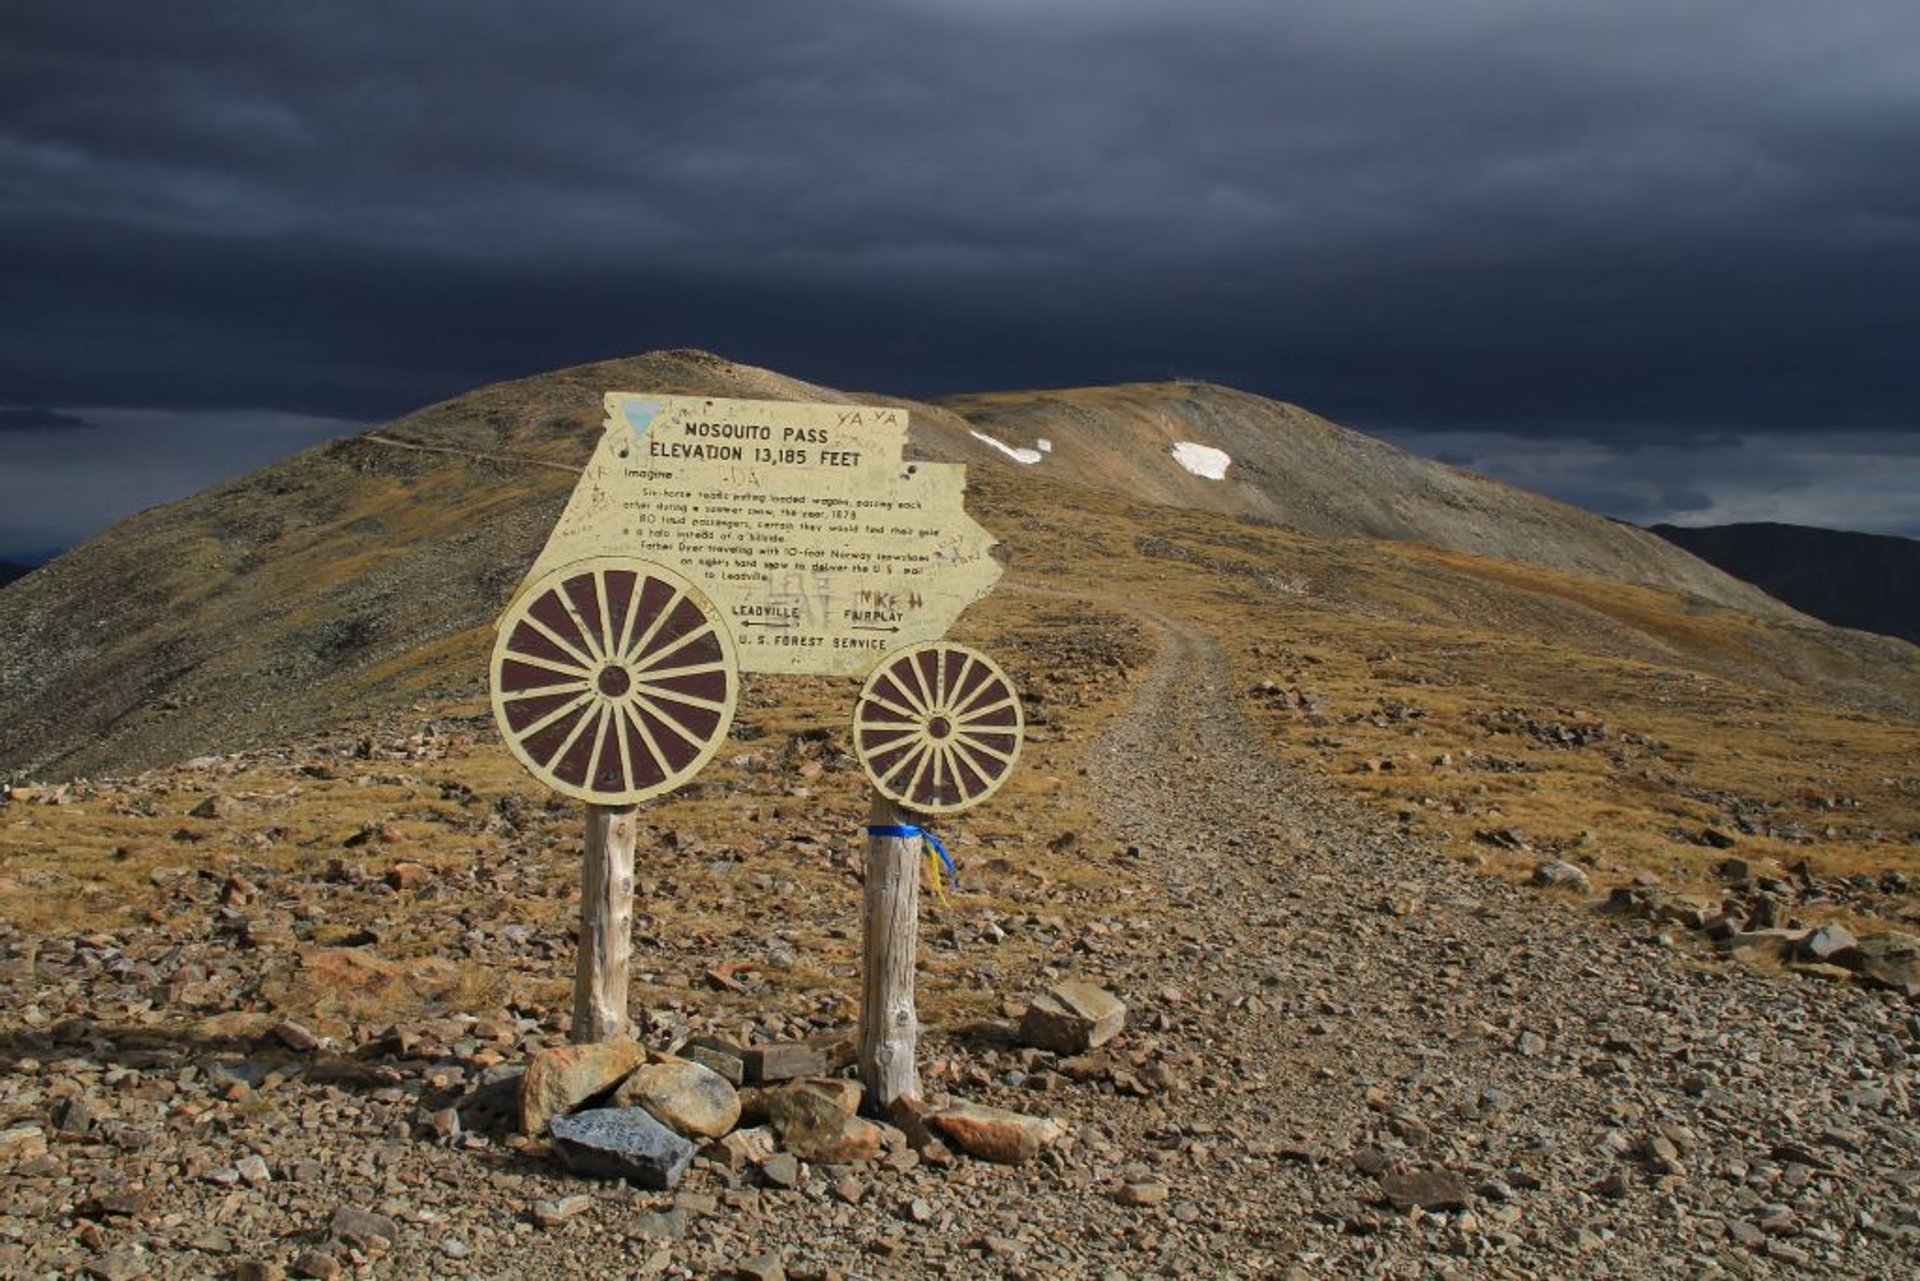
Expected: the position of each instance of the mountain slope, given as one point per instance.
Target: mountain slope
(1869, 581)
(1290, 466)
(362, 576)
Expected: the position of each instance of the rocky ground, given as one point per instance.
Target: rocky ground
(1344, 1057)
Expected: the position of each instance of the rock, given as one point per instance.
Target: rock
(408, 875)
(781, 1061)
(912, 1116)
(296, 1036)
(551, 1214)
(317, 1265)
(1427, 1189)
(253, 1169)
(683, 1095)
(1830, 943)
(562, 1079)
(124, 1264)
(1144, 1192)
(992, 1134)
(22, 1143)
(662, 1225)
(211, 807)
(763, 1267)
(1714, 838)
(742, 1148)
(1072, 1018)
(1890, 961)
(1555, 874)
(1766, 944)
(258, 1270)
(1692, 911)
(814, 1124)
(724, 1057)
(622, 1143)
(781, 1170)
(362, 1229)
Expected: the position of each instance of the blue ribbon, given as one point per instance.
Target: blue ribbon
(909, 831)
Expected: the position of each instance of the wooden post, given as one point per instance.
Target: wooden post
(606, 925)
(890, 938)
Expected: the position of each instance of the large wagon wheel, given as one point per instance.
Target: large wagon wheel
(937, 728)
(613, 680)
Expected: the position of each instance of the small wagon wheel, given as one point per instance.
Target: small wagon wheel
(613, 680)
(937, 728)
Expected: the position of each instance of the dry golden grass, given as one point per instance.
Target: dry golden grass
(1433, 672)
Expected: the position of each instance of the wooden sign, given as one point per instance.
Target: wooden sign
(937, 728)
(819, 546)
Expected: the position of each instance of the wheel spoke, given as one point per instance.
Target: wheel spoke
(973, 744)
(987, 689)
(554, 716)
(920, 679)
(632, 653)
(606, 619)
(967, 751)
(687, 669)
(972, 720)
(691, 700)
(912, 754)
(646, 736)
(624, 648)
(692, 636)
(667, 720)
(626, 753)
(571, 739)
(913, 718)
(554, 636)
(544, 691)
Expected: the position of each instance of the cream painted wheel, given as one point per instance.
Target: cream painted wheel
(938, 728)
(613, 680)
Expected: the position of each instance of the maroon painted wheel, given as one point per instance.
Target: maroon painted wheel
(613, 680)
(938, 728)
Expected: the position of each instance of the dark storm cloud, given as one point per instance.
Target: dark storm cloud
(40, 420)
(1631, 220)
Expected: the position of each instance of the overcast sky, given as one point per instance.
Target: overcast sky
(1658, 258)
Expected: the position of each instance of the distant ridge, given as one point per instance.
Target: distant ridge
(1868, 581)
(10, 570)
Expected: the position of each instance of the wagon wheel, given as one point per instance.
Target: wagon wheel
(937, 728)
(613, 680)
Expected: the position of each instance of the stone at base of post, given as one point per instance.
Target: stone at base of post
(606, 925)
(890, 937)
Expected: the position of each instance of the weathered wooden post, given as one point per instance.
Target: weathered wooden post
(606, 924)
(890, 943)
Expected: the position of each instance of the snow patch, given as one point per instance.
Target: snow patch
(1202, 460)
(1044, 445)
(1027, 456)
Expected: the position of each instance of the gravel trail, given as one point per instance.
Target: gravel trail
(1612, 1107)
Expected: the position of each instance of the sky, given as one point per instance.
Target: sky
(1658, 259)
